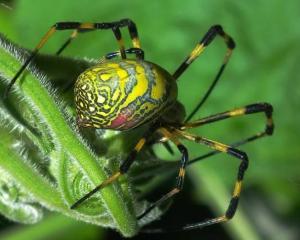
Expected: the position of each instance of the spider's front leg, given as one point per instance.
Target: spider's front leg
(79, 27)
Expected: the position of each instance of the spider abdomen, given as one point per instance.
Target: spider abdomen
(123, 94)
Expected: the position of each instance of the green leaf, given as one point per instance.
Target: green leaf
(73, 170)
(53, 226)
(16, 204)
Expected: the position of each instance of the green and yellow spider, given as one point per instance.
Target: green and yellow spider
(122, 94)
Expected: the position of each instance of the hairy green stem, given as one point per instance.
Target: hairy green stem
(67, 140)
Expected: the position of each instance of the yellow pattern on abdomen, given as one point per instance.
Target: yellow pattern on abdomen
(123, 94)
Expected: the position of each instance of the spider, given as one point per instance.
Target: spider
(121, 94)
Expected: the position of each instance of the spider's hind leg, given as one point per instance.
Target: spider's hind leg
(229, 213)
(240, 155)
(249, 109)
(222, 148)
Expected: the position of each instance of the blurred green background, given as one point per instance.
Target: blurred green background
(264, 68)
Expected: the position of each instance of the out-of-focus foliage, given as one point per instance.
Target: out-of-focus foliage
(56, 226)
(264, 67)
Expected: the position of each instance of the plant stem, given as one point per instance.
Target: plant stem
(67, 139)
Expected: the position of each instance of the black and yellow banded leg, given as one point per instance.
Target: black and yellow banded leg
(81, 27)
(242, 156)
(249, 109)
(234, 145)
(137, 51)
(180, 178)
(115, 27)
(124, 167)
(214, 31)
(67, 42)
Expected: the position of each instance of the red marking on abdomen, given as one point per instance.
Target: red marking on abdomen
(118, 121)
(125, 120)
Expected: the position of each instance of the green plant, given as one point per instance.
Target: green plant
(44, 160)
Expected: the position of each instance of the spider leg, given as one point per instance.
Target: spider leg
(67, 42)
(259, 107)
(234, 145)
(124, 167)
(180, 178)
(242, 156)
(137, 51)
(219, 148)
(205, 41)
(81, 27)
(122, 23)
(229, 213)
(249, 109)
